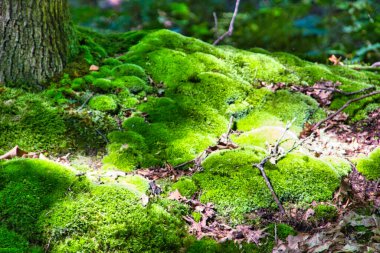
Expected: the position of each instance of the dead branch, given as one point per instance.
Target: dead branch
(231, 27)
(275, 155)
(215, 24)
(343, 92)
(316, 126)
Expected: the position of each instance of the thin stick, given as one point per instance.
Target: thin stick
(316, 126)
(343, 92)
(231, 28)
(260, 166)
(215, 24)
(86, 101)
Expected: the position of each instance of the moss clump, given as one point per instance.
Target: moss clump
(283, 230)
(340, 165)
(126, 151)
(112, 219)
(112, 62)
(30, 121)
(102, 84)
(370, 167)
(185, 186)
(236, 188)
(28, 187)
(263, 136)
(208, 245)
(78, 84)
(325, 213)
(283, 106)
(129, 70)
(103, 103)
(12, 242)
(230, 182)
(133, 83)
(135, 184)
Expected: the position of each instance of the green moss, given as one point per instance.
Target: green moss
(196, 216)
(134, 84)
(112, 62)
(103, 103)
(340, 165)
(28, 187)
(230, 182)
(325, 213)
(111, 218)
(283, 230)
(102, 84)
(129, 70)
(12, 242)
(282, 106)
(126, 151)
(185, 186)
(28, 120)
(136, 184)
(236, 188)
(208, 245)
(261, 137)
(78, 84)
(370, 167)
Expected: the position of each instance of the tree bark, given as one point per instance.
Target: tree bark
(37, 40)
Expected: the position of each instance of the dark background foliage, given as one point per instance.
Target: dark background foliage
(312, 29)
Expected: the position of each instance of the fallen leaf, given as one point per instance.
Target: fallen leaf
(335, 60)
(94, 68)
(176, 195)
(14, 152)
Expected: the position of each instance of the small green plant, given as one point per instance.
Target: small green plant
(103, 103)
(325, 213)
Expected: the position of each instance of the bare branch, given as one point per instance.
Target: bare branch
(231, 28)
(343, 92)
(316, 126)
(215, 24)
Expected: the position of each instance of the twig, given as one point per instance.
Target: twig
(86, 101)
(231, 28)
(277, 155)
(101, 134)
(260, 166)
(275, 232)
(316, 126)
(343, 92)
(215, 24)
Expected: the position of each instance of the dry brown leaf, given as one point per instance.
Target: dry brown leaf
(14, 152)
(176, 195)
(94, 68)
(335, 60)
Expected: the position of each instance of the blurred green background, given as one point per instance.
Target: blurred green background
(310, 29)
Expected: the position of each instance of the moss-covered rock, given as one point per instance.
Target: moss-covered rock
(103, 84)
(103, 103)
(129, 70)
(230, 181)
(112, 219)
(28, 187)
(370, 167)
(30, 121)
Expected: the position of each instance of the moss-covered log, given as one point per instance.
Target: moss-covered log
(36, 40)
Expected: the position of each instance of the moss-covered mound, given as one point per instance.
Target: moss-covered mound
(48, 205)
(231, 182)
(370, 167)
(196, 87)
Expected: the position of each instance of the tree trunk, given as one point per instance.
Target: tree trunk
(37, 40)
